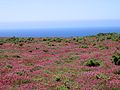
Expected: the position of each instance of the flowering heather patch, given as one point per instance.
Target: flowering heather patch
(79, 63)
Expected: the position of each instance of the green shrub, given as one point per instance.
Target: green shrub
(1, 43)
(67, 40)
(57, 39)
(45, 50)
(57, 78)
(103, 76)
(77, 39)
(16, 56)
(92, 62)
(103, 47)
(116, 59)
(9, 66)
(13, 40)
(115, 88)
(117, 72)
(29, 64)
(18, 40)
(4, 56)
(21, 44)
(44, 39)
(85, 46)
(62, 88)
(20, 73)
(111, 36)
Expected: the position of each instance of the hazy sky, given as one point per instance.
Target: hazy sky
(58, 10)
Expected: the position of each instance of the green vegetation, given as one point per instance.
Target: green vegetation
(92, 62)
(117, 72)
(82, 40)
(53, 39)
(111, 36)
(115, 88)
(45, 50)
(62, 88)
(9, 66)
(3, 56)
(57, 78)
(15, 40)
(76, 63)
(29, 64)
(1, 43)
(102, 76)
(116, 58)
(102, 47)
(16, 56)
(20, 73)
(85, 46)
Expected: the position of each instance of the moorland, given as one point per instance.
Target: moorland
(76, 63)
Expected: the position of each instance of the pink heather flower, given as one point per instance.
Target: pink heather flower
(84, 56)
(32, 86)
(1, 84)
(42, 63)
(113, 84)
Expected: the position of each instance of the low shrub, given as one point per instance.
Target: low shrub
(9, 66)
(29, 64)
(116, 59)
(62, 88)
(115, 88)
(1, 43)
(117, 72)
(85, 46)
(16, 56)
(57, 39)
(101, 76)
(30, 51)
(4, 56)
(45, 50)
(20, 73)
(92, 62)
(78, 39)
(16, 40)
(103, 47)
(57, 78)
(21, 44)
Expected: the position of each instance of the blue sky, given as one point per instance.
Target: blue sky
(19, 12)
(58, 10)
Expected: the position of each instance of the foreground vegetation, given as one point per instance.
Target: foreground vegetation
(77, 63)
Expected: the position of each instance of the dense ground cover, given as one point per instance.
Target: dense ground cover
(78, 63)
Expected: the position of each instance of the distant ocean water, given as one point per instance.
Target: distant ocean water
(58, 32)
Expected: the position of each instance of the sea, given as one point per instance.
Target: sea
(58, 32)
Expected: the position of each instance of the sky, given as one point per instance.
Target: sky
(28, 13)
(58, 10)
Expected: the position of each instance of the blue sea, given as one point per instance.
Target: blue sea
(58, 32)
